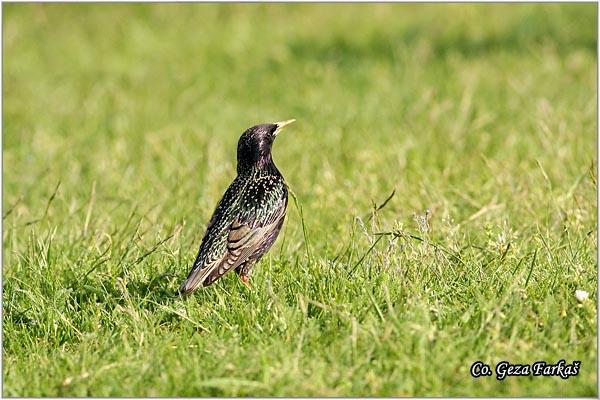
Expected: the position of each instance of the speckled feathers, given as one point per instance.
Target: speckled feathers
(248, 218)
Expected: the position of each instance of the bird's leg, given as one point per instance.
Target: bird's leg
(244, 271)
(246, 281)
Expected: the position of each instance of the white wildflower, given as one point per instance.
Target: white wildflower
(581, 295)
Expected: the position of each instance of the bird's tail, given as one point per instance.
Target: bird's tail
(194, 280)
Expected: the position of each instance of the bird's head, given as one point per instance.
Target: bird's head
(254, 146)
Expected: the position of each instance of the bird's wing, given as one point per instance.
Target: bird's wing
(242, 242)
(202, 267)
(244, 236)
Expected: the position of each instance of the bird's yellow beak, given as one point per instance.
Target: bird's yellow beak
(281, 125)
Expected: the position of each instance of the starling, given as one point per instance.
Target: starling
(248, 218)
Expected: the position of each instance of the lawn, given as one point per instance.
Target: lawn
(444, 169)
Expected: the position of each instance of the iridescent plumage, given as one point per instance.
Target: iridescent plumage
(248, 218)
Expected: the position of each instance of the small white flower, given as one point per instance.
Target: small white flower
(581, 295)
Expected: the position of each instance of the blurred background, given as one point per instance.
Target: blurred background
(148, 95)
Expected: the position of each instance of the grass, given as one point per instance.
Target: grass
(119, 130)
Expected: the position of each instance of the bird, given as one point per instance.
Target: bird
(249, 216)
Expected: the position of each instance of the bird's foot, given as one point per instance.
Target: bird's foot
(246, 281)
